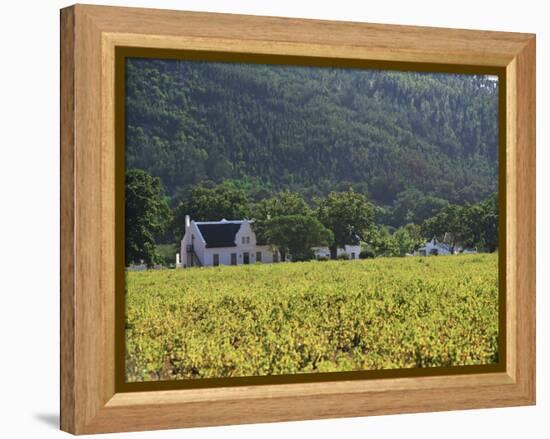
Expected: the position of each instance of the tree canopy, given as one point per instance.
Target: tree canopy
(146, 217)
(281, 204)
(347, 215)
(296, 234)
(267, 128)
(473, 225)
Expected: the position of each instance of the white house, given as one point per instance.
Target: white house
(350, 251)
(434, 247)
(225, 242)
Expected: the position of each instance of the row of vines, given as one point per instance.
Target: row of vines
(312, 317)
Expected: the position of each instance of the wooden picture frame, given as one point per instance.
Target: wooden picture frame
(90, 36)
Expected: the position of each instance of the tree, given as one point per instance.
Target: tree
(284, 203)
(146, 216)
(296, 234)
(450, 219)
(281, 204)
(489, 222)
(380, 242)
(473, 225)
(408, 238)
(205, 203)
(481, 224)
(347, 215)
(412, 206)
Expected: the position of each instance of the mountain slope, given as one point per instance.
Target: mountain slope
(312, 130)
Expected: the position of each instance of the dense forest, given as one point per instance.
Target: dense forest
(312, 130)
(412, 144)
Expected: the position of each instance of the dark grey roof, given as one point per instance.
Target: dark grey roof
(220, 234)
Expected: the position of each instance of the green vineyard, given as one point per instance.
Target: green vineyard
(312, 317)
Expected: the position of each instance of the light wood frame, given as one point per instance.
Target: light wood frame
(89, 36)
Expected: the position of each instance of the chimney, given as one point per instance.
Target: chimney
(187, 222)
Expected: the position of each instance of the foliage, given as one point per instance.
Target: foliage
(379, 241)
(347, 215)
(366, 253)
(412, 206)
(361, 147)
(286, 222)
(473, 225)
(167, 253)
(408, 238)
(282, 203)
(449, 219)
(481, 224)
(266, 128)
(270, 319)
(211, 203)
(296, 234)
(146, 216)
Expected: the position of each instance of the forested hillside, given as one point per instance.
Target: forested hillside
(396, 137)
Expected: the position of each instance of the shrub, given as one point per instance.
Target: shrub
(366, 254)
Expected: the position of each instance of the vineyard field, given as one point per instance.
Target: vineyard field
(309, 317)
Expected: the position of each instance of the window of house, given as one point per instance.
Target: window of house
(258, 256)
(233, 258)
(248, 239)
(216, 259)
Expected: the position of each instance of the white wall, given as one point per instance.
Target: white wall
(224, 255)
(192, 237)
(206, 255)
(246, 243)
(29, 185)
(267, 253)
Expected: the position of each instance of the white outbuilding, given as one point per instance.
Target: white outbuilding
(348, 251)
(434, 248)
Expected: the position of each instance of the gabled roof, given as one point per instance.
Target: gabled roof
(218, 234)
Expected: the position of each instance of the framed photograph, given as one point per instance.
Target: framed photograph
(268, 219)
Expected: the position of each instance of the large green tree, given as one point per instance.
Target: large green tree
(146, 216)
(472, 225)
(480, 221)
(296, 234)
(379, 242)
(408, 238)
(347, 215)
(283, 203)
